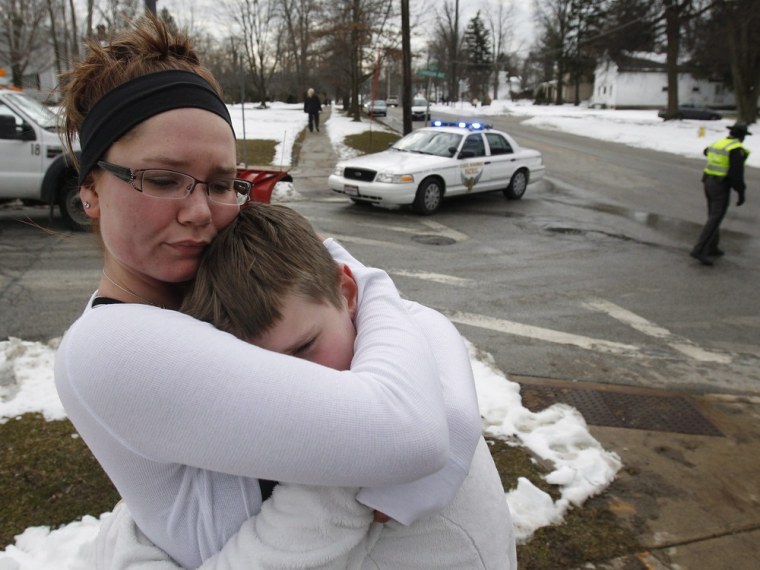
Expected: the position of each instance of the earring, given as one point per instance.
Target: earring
(87, 205)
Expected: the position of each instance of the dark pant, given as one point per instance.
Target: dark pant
(313, 121)
(718, 194)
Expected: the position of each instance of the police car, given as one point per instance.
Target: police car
(445, 159)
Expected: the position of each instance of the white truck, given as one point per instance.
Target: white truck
(33, 167)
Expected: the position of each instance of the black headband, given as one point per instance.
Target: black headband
(139, 99)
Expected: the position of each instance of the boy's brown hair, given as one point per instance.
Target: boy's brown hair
(266, 253)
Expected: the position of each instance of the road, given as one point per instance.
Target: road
(587, 278)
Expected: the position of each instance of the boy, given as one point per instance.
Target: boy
(269, 279)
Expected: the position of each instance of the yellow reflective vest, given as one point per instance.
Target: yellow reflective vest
(717, 156)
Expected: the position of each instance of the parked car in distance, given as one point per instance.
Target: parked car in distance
(420, 109)
(431, 163)
(377, 108)
(693, 112)
(392, 101)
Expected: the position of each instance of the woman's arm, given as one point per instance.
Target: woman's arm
(175, 390)
(409, 502)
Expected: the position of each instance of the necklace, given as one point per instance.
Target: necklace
(129, 291)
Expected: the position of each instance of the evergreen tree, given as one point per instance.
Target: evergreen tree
(477, 56)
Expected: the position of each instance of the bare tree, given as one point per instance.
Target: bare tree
(449, 44)
(735, 26)
(90, 8)
(300, 18)
(355, 33)
(118, 12)
(500, 22)
(743, 34)
(555, 21)
(669, 19)
(74, 36)
(569, 29)
(53, 11)
(22, 34)
(260, 40)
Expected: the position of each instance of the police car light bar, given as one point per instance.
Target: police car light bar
(475, 126)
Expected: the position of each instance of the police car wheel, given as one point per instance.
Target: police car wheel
(517, 185)
(429, 197)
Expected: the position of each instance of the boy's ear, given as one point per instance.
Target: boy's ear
(348, 288)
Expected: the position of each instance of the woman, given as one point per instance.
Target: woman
(176, 412)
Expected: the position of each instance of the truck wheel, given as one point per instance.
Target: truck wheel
(71, 208)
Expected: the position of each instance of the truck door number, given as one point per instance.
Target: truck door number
(35, 150)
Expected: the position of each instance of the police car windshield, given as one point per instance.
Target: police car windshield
(438, 143)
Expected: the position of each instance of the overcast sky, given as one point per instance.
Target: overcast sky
(206, 14)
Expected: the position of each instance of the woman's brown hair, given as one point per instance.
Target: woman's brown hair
(146, 46)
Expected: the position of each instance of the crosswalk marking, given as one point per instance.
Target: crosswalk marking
(648, 328)
(682, 345)
(539, 333)
(435, 277)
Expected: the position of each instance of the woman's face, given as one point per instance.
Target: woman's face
(154, 241)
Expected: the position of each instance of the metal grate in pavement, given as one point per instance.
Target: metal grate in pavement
(674, 414)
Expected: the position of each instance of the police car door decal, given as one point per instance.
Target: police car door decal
(470, 173)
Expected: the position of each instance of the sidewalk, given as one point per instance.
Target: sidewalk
(316, 159)
(690, 484)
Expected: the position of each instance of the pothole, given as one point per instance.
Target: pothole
(428, 239)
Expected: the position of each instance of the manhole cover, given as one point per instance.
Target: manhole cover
(620, 409)
(433, 240)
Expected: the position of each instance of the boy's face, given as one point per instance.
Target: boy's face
(318, 332)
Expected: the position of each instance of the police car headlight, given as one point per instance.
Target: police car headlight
(338, 170)
(391, 178)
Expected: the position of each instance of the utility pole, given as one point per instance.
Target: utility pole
(150, 6)
(406, 72)
(455, 54)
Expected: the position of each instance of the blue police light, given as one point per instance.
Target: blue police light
(475, 126)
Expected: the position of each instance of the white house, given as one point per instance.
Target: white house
(640, 80)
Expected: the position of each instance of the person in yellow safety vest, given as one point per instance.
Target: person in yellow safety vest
(724, 170)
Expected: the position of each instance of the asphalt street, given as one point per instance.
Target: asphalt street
(583, 291)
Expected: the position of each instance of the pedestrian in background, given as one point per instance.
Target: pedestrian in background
(313, 106)
(724, 170)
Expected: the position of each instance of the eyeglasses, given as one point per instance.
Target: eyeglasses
(173, 185)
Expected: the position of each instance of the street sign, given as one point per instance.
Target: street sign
(431, 73)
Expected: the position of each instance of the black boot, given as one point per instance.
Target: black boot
(701, 258)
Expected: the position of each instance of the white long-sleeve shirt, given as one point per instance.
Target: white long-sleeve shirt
(185, 418)
(324, 528)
